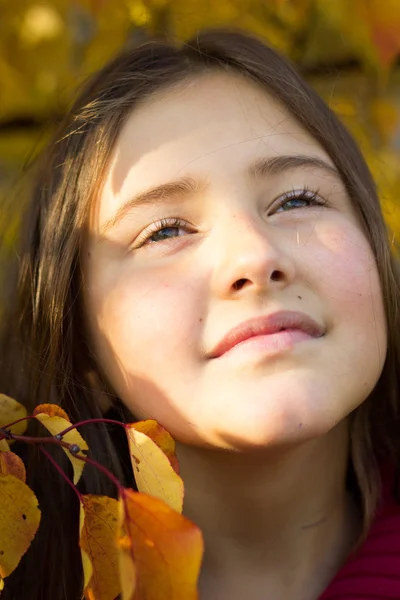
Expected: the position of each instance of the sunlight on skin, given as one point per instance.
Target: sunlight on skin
(234, 246)
(157, 309)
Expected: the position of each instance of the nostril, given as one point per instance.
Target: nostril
(277, 276)
(239, 284)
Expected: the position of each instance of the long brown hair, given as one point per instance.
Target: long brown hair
(45, 356)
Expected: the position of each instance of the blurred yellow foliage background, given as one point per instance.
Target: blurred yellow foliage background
(347, 49)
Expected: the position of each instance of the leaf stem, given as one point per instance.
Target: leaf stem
(5, 427)
(41, 440)
(61, 471)
(111, 476)
(73, 449)
(89, 421)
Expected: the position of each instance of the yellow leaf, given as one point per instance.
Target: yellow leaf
(127, 569)
(154, 474)
(19, 521)
(160, 550)
(56, 420)
(12, 464)
(385, 118)
(98, 532)
(161, 437)
(4, 447)
(11, 410)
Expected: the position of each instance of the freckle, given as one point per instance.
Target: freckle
(201, 320)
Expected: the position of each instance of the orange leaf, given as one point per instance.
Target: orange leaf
(159, 548)
(12, 464)
(11, 410)
(51, 410)
(384, 21)
(56, 420)
(98, 532)
(19, 521)
(152, 468)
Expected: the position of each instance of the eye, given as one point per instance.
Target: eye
(301, 198)
(163, 230)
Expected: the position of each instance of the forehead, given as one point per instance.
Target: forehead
(213, 123)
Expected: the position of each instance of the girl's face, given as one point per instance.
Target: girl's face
(217, 209)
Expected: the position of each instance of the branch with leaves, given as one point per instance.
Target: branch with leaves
(139, 545)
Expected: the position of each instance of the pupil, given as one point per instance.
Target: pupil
(295, 201)
(165, 233)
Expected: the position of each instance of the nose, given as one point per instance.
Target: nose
(251, 257)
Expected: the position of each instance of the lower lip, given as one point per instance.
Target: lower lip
(268, 345)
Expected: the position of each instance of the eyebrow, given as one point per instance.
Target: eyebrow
(187, 186)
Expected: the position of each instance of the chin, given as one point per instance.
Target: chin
(284, 433)
(256, 441)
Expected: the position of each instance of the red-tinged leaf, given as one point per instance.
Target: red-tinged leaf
(51, 410)
(384, 22)
(152, 468)
(12, 464)
(56, 420)
(10, 411)
(19, 521)
(161, 437)
(160, 550)
(98, 533)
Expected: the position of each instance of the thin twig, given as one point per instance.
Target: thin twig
(61, 471)
(88, 421)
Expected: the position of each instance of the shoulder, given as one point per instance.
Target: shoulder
(373, 573)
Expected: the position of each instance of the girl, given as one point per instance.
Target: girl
(204, 246)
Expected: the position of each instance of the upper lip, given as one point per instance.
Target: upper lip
(266, 325)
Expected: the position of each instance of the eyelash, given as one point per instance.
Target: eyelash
(306, 194)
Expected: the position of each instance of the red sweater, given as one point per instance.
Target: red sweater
(373, 573)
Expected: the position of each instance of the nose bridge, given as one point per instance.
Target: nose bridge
(246, 234)
(248, 250)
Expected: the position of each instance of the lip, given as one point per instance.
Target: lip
(267, 325)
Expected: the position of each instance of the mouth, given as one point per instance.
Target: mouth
(273, 332)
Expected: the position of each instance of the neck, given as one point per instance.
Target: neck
(283, 519)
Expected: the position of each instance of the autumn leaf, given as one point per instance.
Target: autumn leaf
(4, 447)
(19, 521)
(160, 550)
(55, 419)
(385, 116)
(12, 464)
(98, 532)
(384, 22)
(161, 437)
(152, 466)
(127, 568)
(11, 410)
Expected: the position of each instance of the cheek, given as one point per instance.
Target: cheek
(147, 321)
(346, 262)
(347, 278)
